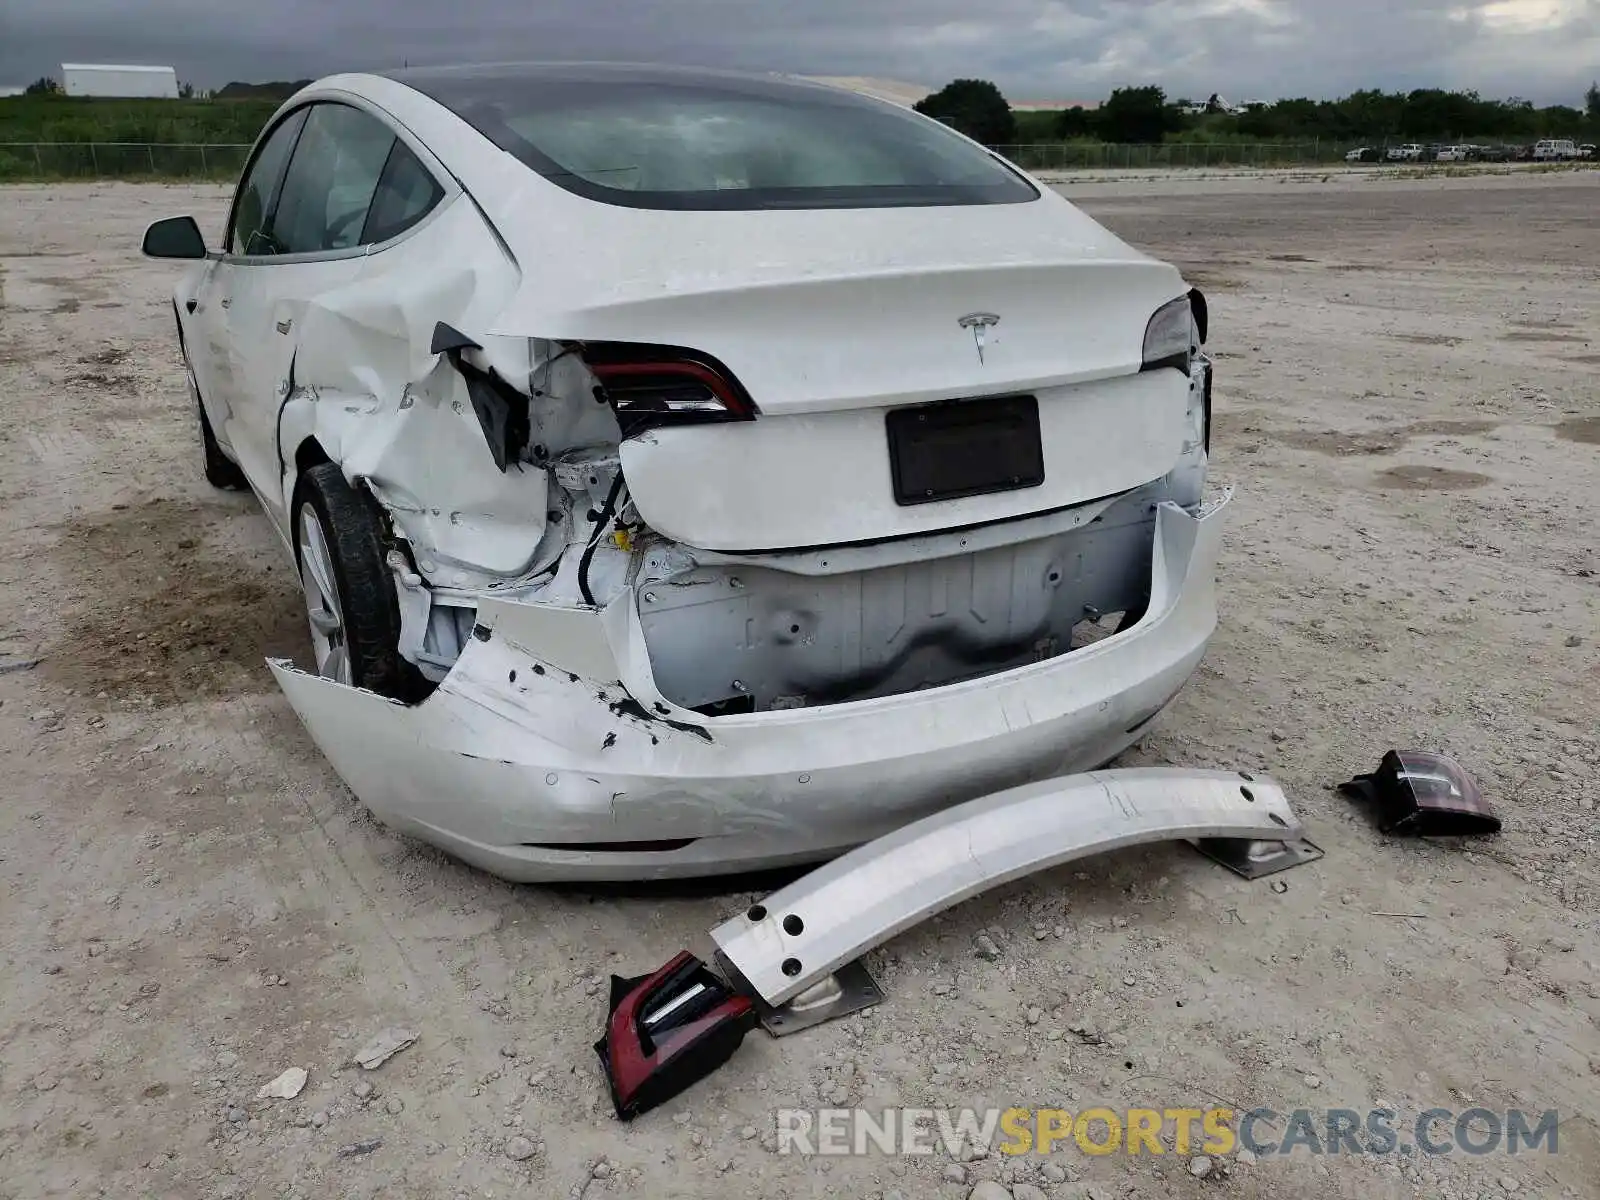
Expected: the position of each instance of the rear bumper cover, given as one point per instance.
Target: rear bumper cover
(548, 739)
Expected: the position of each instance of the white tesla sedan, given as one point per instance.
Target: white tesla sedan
(691, 472)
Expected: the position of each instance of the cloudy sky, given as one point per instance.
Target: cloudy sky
(1545, 50)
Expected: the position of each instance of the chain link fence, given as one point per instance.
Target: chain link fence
(1066, 156)
(121, 160)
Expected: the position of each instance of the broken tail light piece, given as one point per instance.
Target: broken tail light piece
(1418, 793)
(667, 1030)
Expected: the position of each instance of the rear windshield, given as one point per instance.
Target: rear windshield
(678, 140)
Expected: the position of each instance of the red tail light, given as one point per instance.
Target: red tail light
(653, 386)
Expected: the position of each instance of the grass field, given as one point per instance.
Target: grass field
(86, 119)
(73, 137)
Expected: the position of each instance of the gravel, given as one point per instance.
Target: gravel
(383, 1046)
(1359, 609)
(286, 1086)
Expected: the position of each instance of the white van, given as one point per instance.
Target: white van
(1555, 150)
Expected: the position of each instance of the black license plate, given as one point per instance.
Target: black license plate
(964, 448)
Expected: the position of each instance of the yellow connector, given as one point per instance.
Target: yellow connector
(623, 540)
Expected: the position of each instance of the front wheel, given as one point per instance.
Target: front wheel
(221, 471)
(349, 593)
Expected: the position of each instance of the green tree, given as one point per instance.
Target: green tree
(1591, 101)
(1072, 123)
(974, 107)
(42, 86)
(1139, 114)
(1560, 120)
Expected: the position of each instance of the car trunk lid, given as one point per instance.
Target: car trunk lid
(832, 319)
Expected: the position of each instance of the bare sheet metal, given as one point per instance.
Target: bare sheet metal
(821, 639)
(800, 934)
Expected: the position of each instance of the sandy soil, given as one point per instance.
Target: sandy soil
(190, 902)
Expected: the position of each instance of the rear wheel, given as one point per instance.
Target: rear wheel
(350, 602)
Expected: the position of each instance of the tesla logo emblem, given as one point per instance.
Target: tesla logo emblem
(980, 324)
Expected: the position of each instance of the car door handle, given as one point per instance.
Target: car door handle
(285, 326)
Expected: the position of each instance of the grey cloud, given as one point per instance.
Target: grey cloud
(1032, 48)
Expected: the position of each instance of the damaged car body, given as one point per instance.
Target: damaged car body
(692, 472)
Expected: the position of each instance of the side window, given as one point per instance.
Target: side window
(331, 180)
(253, 204)
(406, 193)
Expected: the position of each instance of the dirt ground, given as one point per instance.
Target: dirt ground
(191, 902)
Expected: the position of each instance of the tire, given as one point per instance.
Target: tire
(339, 548)
(221, 471)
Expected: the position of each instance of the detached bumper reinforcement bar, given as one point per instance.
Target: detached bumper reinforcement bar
(802, 933)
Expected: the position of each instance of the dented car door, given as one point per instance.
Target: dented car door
(314, 238)
(210, 308)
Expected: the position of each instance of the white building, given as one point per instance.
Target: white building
(97, 79)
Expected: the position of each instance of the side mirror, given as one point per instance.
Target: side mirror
(174, 237)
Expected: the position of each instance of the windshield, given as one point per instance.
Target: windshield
(657, 138)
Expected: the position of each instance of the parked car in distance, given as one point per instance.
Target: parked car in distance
(1586, 150)
(1451, 154)
(1363, 154)
(1555, 150)
(626, 550)
(1410, 152)
(1488, 153)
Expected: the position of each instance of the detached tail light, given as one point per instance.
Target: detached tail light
(649, 387)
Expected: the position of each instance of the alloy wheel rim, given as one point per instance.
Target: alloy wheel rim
(324, 611)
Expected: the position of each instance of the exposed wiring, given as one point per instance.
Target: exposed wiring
(601, 520)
